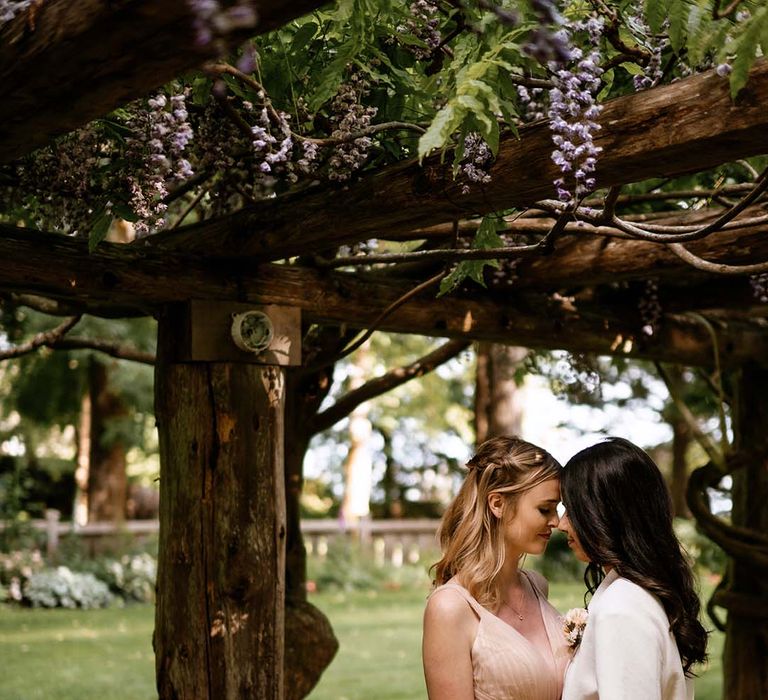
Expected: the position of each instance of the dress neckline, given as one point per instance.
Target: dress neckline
(482, 611)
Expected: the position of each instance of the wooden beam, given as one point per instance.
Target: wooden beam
(75, 60)
(588, 259)
(59, 267)
(687, 126)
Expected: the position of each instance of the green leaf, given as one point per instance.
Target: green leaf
(755, 33)
(486, 237)
(332, 76)
(655, 14)
(487, 234)
(99, 229)
(476, 108)
(492, 137)
(201, 90)
(123, 211)
(607, 79)
(303, 36)
(704, 33)
(452, 280)
(632, 68)
(446, 121)
(678, 23)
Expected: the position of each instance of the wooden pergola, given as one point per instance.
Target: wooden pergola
(221, 622)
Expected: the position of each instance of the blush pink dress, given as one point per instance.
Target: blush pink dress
(506, 665)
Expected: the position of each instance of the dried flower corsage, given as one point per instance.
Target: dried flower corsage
(574, 622)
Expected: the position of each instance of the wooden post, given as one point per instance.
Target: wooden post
(746, 642)
(219, 623)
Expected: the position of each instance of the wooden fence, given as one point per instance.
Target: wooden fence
(393, 541)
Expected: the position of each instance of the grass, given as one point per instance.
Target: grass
(77, 654)
(107, 654)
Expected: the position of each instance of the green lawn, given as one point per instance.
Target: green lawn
(107, 654)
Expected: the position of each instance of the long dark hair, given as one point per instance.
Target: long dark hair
(621, 511)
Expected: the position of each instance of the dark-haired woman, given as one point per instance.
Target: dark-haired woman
(642, 636)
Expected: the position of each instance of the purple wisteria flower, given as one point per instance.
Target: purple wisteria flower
(478, 157)
(532, 101)
(573, 114)
(573, 110)
(10, 8)
(423, 24)
(350, 116)
(211, 20)
(161, 135)
(723, 69)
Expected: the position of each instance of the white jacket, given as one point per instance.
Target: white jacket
(627, 651)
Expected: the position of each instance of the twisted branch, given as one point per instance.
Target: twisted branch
(44, 339)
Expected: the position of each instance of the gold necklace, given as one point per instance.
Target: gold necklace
(522, 596)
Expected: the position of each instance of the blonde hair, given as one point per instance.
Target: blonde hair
(471, 537)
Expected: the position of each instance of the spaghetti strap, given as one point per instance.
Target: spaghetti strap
(531, 583)
(464, 593)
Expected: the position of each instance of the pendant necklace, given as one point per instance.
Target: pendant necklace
(514, 610)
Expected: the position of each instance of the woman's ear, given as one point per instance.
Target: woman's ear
(496, 504)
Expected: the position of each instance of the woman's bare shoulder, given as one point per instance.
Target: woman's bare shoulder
(449, 604)
(447, 609)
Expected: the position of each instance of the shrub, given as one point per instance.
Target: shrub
(132, 577)
(61, 587)
(15, 568)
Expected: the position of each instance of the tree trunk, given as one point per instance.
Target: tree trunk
(358, 466)
(219, 622)
(310, 643)
(497, 400)
(83, 469)
(681, 439)
(745, 671)
(393, 491)
(107, 478)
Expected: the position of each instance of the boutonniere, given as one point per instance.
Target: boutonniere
(574, 622)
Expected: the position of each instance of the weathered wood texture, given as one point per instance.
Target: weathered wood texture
(219, 624)
(122, 279)
(310, 646)
(67, 62)
(684, 127)
(745, 671)
(121, 276)
(584, 258)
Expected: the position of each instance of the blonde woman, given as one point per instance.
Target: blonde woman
(489, 632)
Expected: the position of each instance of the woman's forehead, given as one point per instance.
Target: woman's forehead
(548, 490)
